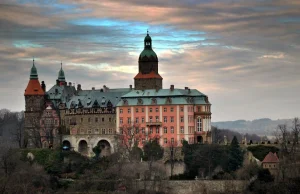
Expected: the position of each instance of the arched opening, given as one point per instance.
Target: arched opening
(199, 139)
(83, 147)
(66, 145)
(105, 148)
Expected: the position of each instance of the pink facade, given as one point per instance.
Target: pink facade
(169, 123)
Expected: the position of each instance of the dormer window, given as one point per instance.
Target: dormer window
(153, 101)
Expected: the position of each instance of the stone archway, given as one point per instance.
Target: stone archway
(66, 145)
(199, 139)
(83, 147)
(105, 147)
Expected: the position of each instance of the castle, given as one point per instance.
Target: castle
(82, 119)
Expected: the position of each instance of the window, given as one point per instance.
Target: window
(121, 120)
(143, 109)
(137, 110)
(150, 119)
(172, 119)
(165, 119)
(151, 130)
(157, 118)
(110, 131)
(128, 120)
(96, 119)
(137, 120)
(137, 130)
(181, 119)
(103, 131)
(199, 124)
(157, 129)
(143, 130)
(172, 129)
(81, 120)
(165, 109)
(181, 109)
(89, 131)
(172, 109)
(156, 110)
(96, 130)
(89, 120)
(109, 119)
(150, 110)
(165, 130)
(102, 119)
(165, 140)
(129, 110)
(143, 119)
(181, 129)
(172, 140)
(121, 110)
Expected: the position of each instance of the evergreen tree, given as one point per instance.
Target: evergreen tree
(153, 151)
(236, 157)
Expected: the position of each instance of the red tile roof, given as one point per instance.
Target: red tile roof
(271, 158)
(152, 74)
(34, 88)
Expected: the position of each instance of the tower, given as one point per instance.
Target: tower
(148, 76)
(34, 105)
(61, 76)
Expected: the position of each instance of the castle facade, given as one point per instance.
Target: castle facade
(82, 119)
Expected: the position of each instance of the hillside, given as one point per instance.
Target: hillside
(264, 126)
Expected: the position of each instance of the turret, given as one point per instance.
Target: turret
(61, 76)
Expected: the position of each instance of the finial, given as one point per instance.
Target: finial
(147, 32)
(33, 60)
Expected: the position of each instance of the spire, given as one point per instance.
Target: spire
(61, 74)
(33, 71)
(148, 41)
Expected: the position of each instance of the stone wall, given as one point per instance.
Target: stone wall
(196, 186)
(150, 83)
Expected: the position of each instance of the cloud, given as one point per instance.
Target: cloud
(243, 54)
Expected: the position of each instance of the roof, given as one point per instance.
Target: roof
(34, 88)
(62, 93)
(33, 72)
(271, 158)
(163, 97)
(152, 74)
(97, 98)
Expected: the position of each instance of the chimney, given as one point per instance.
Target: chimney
(70, 84)
(93, 88)
(78, 87)
(130, 86)
(172, 87)
(189, 90)
(186, 88)
(43, 85)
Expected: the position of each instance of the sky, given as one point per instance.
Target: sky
(245, 55)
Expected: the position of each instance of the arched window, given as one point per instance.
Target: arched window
(199, 124)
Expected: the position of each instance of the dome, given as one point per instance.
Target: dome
(148, 52)
(147, 38)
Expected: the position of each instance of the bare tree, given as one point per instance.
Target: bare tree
(18, 133)
(296, 130)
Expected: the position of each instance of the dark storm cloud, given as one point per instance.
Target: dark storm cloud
(243, 54)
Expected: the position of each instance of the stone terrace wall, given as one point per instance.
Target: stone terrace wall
(197, 186)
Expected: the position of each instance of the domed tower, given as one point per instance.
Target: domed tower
(61, 76)
(148, 76)
(34, 105)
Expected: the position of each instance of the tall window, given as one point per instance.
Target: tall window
(181, 109)
(172, 129)
(143, 130)
(103, 131)
(172, 109)
(121, 110)
(157, 118)
(121, 120)
(165, 109)
(128, 120)
(165, 119)
(96, 120)
(199, 124)
(172, 119)
(151, 130)
(172, 140)
(81, 120)
(181, 119)
(165, 140)
(110, 131)
(181, 129)
(129, 110)
(157, 129)
(143, 109)
(137, 120)
(165, 130)
(150, 119)
(156, 110)
(137, 110)
(143, 119)
(150, 109)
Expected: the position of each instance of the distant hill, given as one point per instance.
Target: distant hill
(263, 126)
